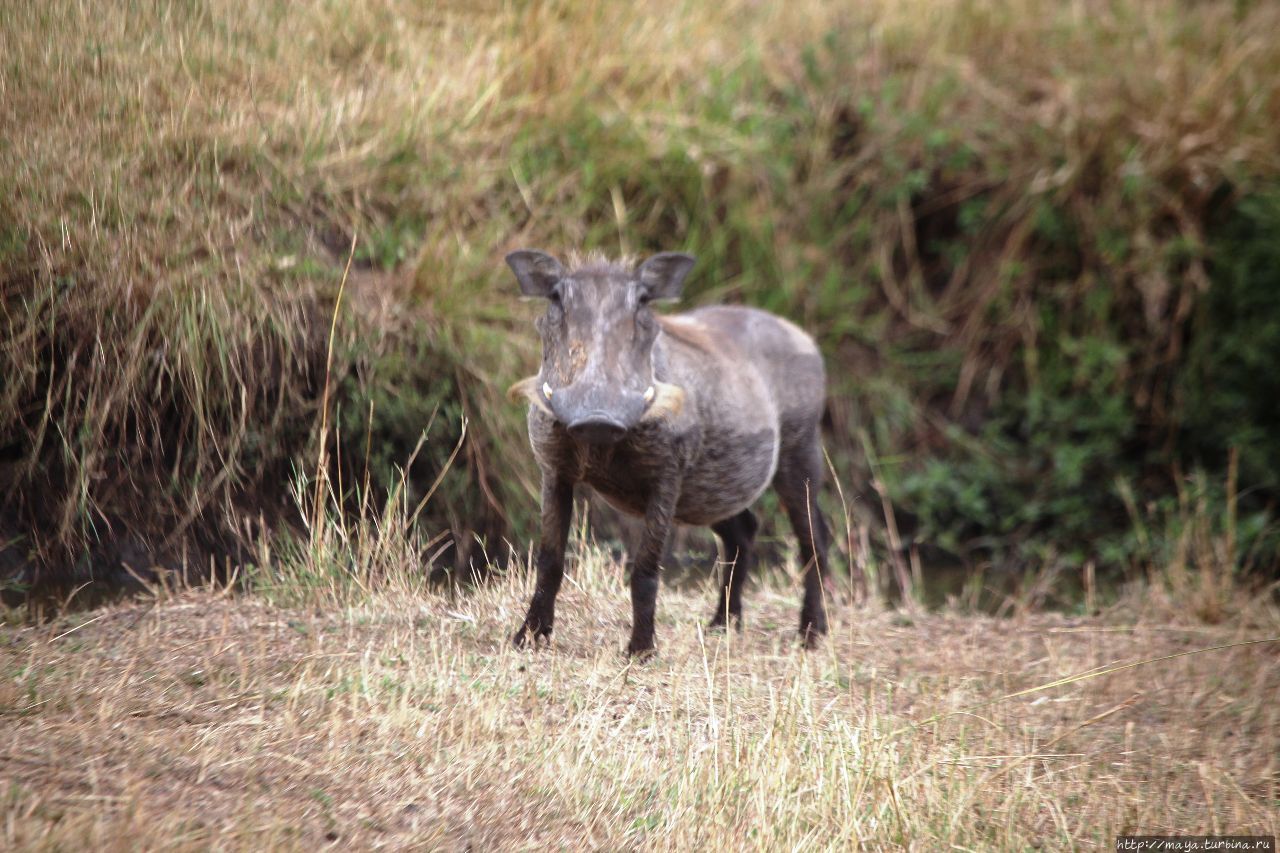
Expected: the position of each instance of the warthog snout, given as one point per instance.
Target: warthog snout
(597, 428)
(597, 415)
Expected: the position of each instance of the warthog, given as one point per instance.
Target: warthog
(681, 418)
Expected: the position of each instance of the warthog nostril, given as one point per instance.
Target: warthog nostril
(597, 429)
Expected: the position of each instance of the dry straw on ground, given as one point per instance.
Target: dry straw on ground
(403, 719)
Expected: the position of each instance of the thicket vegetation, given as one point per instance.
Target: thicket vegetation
(1037, 240)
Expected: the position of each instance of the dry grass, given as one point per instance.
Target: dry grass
(178, 187)
(403, 719)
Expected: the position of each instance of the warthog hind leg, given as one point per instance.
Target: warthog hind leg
(798, 480)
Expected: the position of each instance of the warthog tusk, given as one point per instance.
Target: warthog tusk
(648, 394)
(546, 390)
(668, 401)
(527, 389)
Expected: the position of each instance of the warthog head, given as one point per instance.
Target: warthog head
(598, 335)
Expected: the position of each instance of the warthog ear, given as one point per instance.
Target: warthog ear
(662, 276)
(536, 271)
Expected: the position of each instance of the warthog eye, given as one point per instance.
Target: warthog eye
(555, 313)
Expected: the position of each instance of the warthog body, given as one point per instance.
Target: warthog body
(684, 418)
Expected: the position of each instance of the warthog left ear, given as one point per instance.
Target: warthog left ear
(536, 271)
(527, 389)
(662, 276)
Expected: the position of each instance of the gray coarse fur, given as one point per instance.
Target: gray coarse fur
(683, 418)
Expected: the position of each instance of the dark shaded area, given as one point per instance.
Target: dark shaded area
(1229, 389)
(178, 498)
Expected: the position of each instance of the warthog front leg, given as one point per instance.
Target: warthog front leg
(557, 510)
(738, 535)
(644, 566)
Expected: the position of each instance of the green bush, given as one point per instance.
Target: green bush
(1230, 383)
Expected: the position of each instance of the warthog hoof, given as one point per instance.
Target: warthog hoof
(535, 636)
(641, 650)
(811, 633)
(719, 622)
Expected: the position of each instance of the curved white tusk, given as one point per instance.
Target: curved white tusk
(546, 390)
(648, 394)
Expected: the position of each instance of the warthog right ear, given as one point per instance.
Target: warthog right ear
(536, 271)
(663, 275)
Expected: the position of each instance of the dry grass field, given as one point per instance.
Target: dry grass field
(401, 718)
(242, 243)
